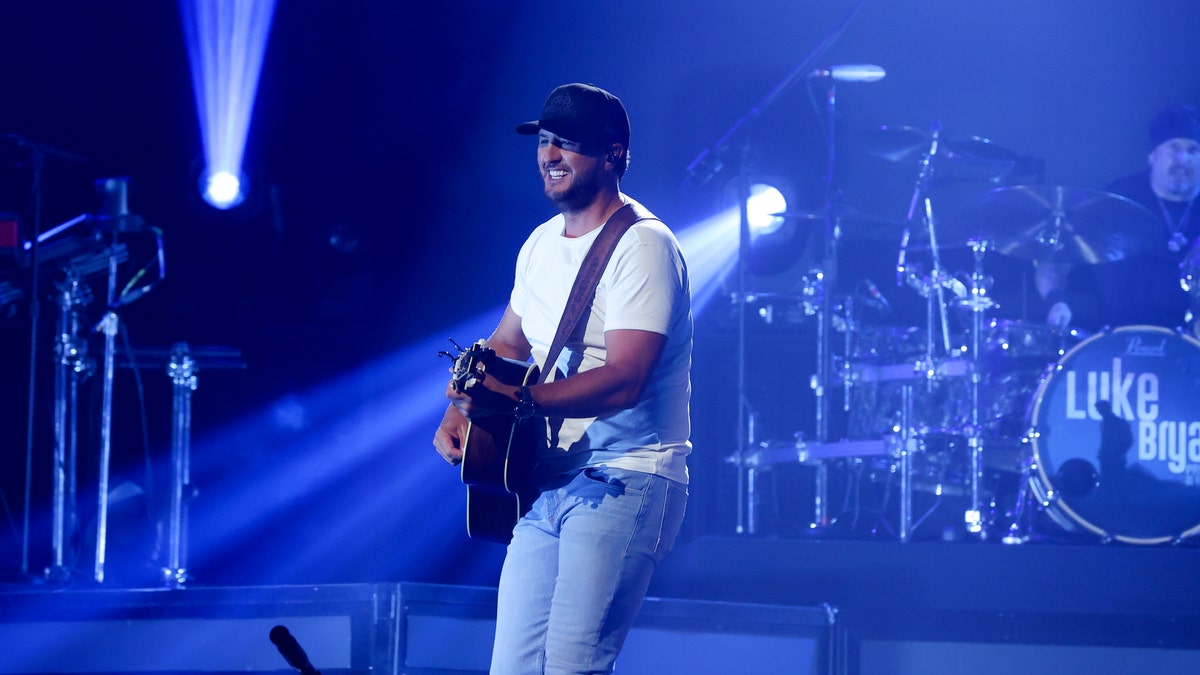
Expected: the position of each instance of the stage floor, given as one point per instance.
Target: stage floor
(719, 604)
(906, 607)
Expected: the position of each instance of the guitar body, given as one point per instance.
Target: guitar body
(498, 459)
(499, 452)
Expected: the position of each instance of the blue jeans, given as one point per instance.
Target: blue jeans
(578, 567)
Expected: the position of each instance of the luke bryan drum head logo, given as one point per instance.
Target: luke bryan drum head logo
(1115, 430)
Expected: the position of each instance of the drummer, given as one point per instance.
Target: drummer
(1143, 288)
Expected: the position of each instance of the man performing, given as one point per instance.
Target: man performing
(610, 486)
(1143, 288)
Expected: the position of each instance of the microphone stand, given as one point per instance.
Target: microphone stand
(701, 170)
(829, 272)
(38, 152)
(110, 324)
(37, 161)
(117, 216)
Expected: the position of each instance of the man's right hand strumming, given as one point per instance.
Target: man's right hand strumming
(447, 440)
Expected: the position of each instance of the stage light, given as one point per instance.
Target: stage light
(223, 189)
(226, 40)
(766, 201)
(711, 245)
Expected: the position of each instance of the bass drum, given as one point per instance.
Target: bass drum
(1115, 432)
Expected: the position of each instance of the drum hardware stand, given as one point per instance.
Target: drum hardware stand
(71, 367)
(979, 303)
(908, 445)
(182, 371)
(932, 288)
(182, 363)
(827, 279)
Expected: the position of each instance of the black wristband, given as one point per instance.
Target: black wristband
(526, 407)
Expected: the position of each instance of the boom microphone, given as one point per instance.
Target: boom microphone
(291, 651)
(851, 72)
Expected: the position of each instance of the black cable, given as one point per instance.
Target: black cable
(141, 394)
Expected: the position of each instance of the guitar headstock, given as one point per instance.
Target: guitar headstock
(469, 363)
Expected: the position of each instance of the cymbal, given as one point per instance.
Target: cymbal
(1049, 222)
(966, 157)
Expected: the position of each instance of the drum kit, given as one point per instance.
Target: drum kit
(1101, 432)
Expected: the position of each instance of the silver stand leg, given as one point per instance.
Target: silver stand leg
(71, 367)
(109, 325)
(908, 445)
(745, 423)
(1018, 533)
(182, 371)
(751, 501)
(973, 517)
(978, 302)
(820, 496)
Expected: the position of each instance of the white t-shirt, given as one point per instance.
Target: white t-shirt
(644, 287)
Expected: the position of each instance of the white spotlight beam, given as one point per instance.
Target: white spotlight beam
(226, 40)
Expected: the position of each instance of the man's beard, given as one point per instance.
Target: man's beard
(1181, 182)
(583, 191)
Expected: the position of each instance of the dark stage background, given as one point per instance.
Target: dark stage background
(391, 196)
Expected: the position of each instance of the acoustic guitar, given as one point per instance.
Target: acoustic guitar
(499, 451)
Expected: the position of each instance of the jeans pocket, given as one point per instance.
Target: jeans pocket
(674, 507)
(618, 481)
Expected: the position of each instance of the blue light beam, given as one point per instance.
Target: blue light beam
(711, 245)
(359, 445)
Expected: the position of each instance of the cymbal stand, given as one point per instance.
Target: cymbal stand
(939, 278)
(71, 367)
(932, 288)
(936, 281)
(978, 302)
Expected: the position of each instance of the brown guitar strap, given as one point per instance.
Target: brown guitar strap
(584, 290)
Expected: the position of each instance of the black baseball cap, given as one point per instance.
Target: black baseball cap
(582, 113)
(1181, 121)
